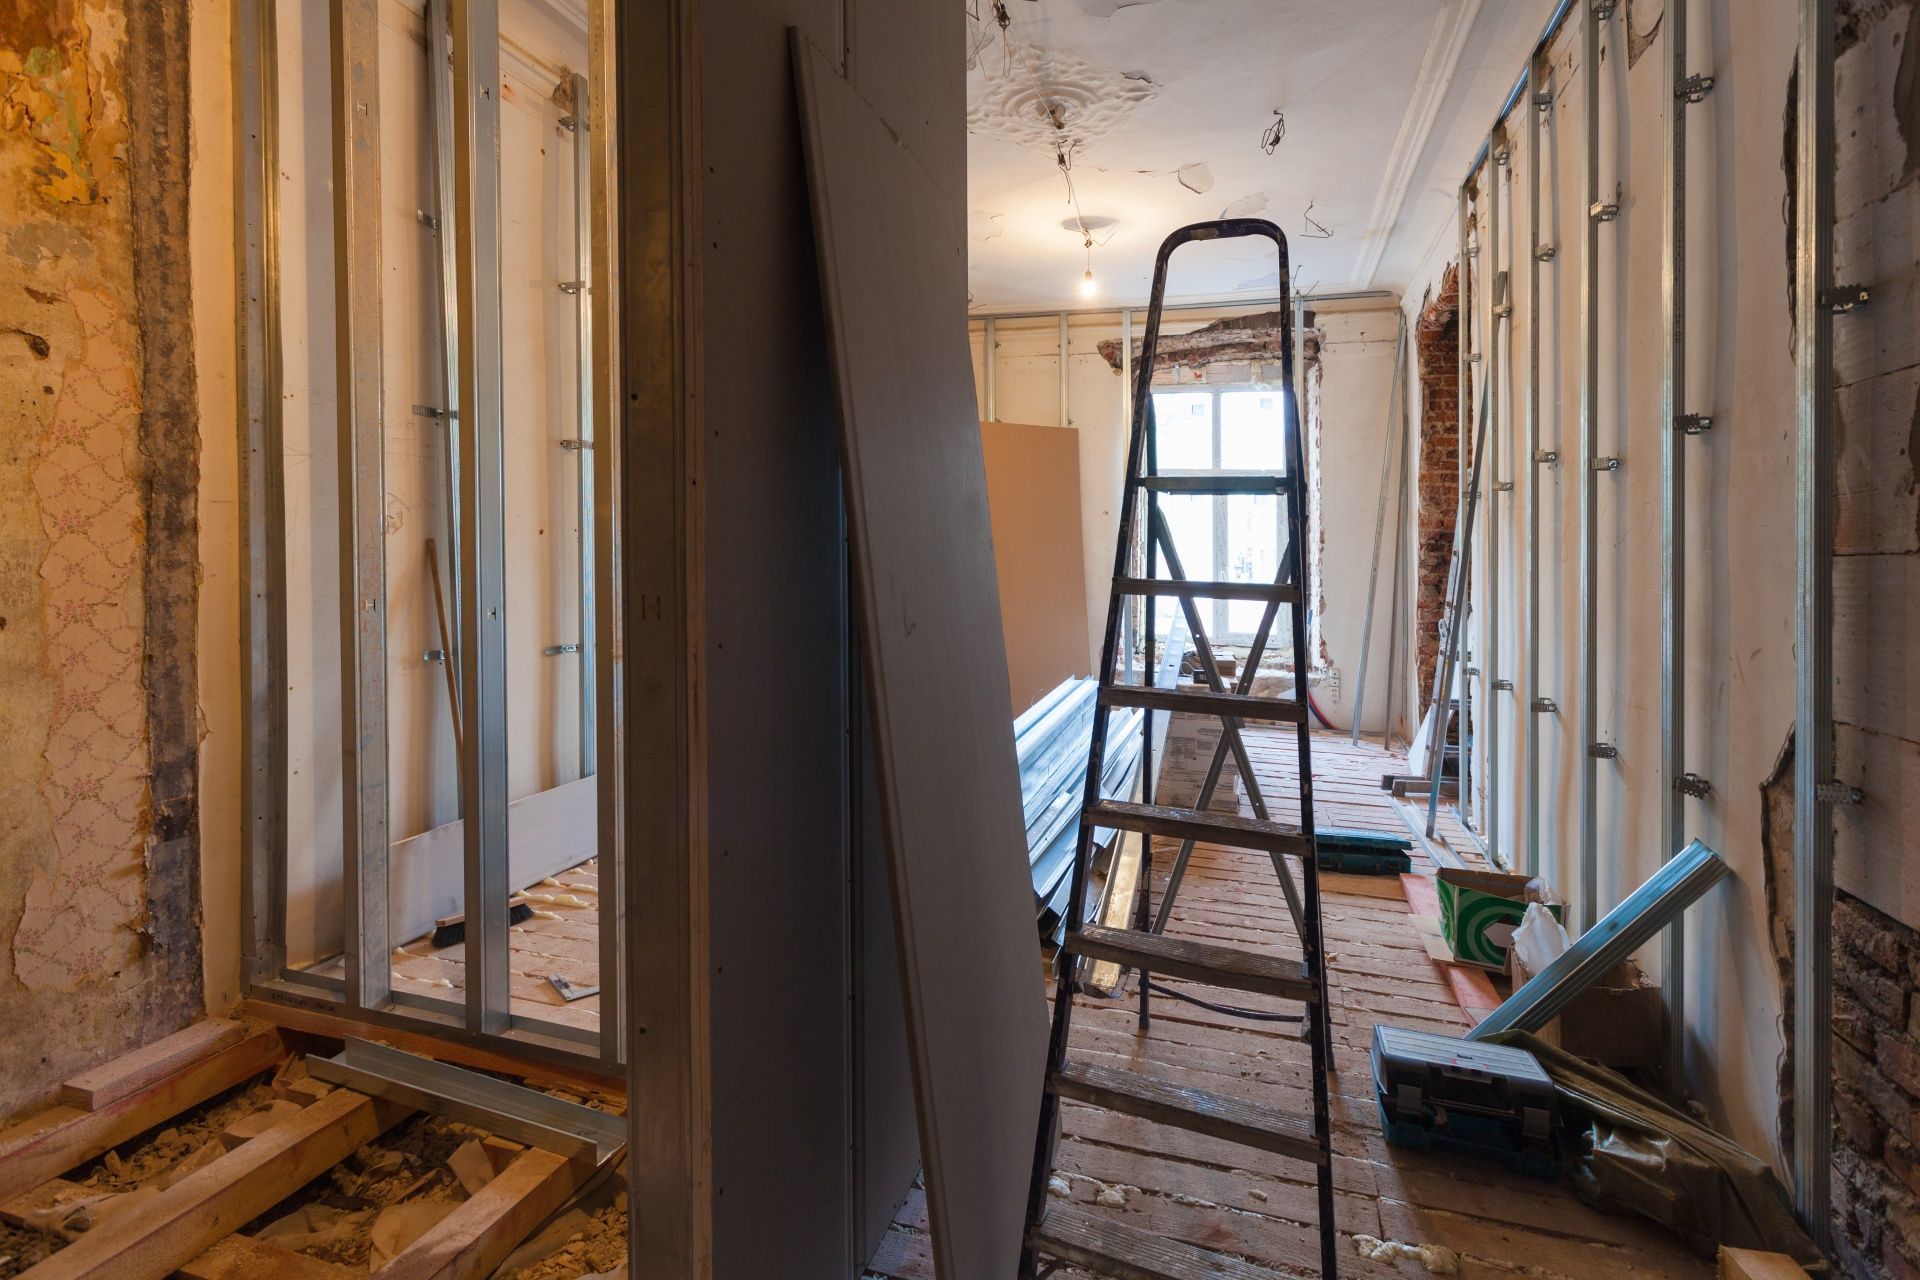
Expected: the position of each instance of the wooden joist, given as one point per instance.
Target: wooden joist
(473, 1240)
(187, 1218)
(49, 1144)
(132, 1072)
(244, 1258)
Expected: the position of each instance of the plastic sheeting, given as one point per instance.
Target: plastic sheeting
(1634, 1153)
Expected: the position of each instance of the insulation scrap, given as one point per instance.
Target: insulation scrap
(399, 1225)
(1437, 1259)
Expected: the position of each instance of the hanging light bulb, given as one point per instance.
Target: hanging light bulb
(1087, 287)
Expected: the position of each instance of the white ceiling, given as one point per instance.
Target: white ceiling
(1385, 103)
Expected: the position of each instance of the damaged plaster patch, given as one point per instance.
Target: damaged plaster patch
(1246, 206)
(94, 770)
(983, 226)
(1196, 178)
(1087, 98)
(1640, 39)
(49, 93)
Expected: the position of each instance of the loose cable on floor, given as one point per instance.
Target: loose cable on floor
(1226, 1010)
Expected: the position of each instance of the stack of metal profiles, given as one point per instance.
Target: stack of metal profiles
(1052, 739)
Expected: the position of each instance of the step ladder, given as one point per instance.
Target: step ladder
(1060, 1233)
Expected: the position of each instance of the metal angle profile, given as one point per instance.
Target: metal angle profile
(1680, 882)
(510, 1110)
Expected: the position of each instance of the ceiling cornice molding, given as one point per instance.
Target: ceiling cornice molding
(1447, 46)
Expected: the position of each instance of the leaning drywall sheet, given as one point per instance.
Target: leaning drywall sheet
(893, 278)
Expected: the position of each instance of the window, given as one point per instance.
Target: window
(1235, 538)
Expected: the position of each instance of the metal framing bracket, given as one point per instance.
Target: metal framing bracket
(1694, 423)
(1473, 357)
(434, 655)
(1543, 706)
(1603, 9)
(1692, 784)
(1694, 89)
(1546, 253)
(1503, 486)
(1843, 298)
(1543, 100)
(571, 287)
(1604, 751)
(575, 446)
(1501, 310)
(1503, 157)
(555, 650)
(1503, 686)
(1605, 464)
(1546, 457)
(1603, 211)
(1840, 793)
(428, 411)
(427, 220)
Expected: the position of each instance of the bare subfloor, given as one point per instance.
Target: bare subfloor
(1477, 1218)
(562, 938)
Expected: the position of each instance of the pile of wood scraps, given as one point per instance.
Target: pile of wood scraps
(219, 1153)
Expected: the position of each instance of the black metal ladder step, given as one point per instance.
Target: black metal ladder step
(1207, 962)
(1218, 482)
(1192, 824)
(1192, 589)
(1194, 1110)
(1083, 1239)
(1243, 706)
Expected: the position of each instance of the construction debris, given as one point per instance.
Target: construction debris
(1438, 1260)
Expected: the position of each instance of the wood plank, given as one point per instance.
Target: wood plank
(1191, 824)
(131, 1072)
(583, 1078)
(46, 1146)
(1194, 1110)
(1196, 961)
(1752, 1264)
(244, 1258)
(893, 282)
(184, 1220)
(1127, 1253)
(476, 1238)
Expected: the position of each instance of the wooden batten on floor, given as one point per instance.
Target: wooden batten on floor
(187, 1218)
(47, 1145)
(244, 1258)
(473, 1240)
(130, 1073)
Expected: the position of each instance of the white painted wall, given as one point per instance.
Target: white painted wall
(1740, 668)
(538, 49)
(1356, 380)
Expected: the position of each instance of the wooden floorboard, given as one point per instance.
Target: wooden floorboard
(1260, 1207)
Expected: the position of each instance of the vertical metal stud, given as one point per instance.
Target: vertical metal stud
(440, 113)
(1469, 282)
(1390, 455)
(605, 686)
(1065, 421)
(1536, 168)
(476, 98)
(583, 371)
(1129, 627)
(991, 358)
(1589, 449)
(1496, 516)
(1673, 531)
(263, 654)
(363, 492)
(1813, 724)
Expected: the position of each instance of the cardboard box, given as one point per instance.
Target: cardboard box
(1617, 1022)
(1479, 910)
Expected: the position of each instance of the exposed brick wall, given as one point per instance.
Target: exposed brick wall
(1437, 343)
(1876, 1094)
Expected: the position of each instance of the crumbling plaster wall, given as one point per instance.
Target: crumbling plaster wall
(99, 872)
(1740, 542)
